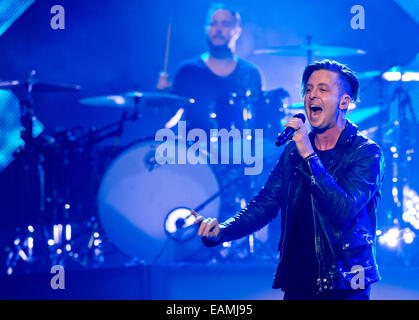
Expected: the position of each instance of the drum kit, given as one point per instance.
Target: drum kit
(87, 199)
(90, 197)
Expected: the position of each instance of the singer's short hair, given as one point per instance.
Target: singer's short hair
(217, 6)
(349, 80)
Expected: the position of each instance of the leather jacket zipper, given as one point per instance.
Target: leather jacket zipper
(316, 248)
(312, 179)
(285, 228)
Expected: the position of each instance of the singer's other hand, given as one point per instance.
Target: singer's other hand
(208, 227)
(300, 137)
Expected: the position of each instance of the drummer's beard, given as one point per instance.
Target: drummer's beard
(221, 51)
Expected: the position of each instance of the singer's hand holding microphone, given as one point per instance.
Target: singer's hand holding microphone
(296, 125)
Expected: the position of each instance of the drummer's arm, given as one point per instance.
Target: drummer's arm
(181, 83)
(163, 83)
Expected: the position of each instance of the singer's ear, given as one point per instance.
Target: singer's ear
(345, 100)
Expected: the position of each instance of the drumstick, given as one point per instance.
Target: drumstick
(166, 54)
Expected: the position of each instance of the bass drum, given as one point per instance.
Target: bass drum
(137, 193)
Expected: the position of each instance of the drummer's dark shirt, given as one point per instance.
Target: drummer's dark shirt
(214, 95)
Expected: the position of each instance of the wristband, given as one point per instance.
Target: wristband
(311, 155)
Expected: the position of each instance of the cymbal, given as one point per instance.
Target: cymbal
(138, 98)
(314, 49)
(38, 86)
(368, 75)
(395, 73)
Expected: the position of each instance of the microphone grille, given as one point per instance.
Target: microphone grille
(301, 116)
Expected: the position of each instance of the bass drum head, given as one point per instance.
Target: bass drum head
(136, 194)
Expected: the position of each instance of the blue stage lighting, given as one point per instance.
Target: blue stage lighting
(10, 10)
(11, 127)
(410, 7)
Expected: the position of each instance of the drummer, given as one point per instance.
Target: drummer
(215, 75)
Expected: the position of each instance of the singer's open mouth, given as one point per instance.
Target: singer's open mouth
(315, 108)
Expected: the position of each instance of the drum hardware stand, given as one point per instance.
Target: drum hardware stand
(309, 51)
(402, 99)
(94, 134)
(136, 115)
(24, 240)
(94, 137)
(378, 78)
(91, 250)
(32, 159)
(22, 249)
(251, 248)
(67, 247)
(402, 163)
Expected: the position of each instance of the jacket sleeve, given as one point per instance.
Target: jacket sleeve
(342, 200)
(262, 209)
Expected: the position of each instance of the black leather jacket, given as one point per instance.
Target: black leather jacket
(344, 194)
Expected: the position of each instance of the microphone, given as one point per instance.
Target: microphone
(288, 132)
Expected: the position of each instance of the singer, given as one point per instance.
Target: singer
(326, 186)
